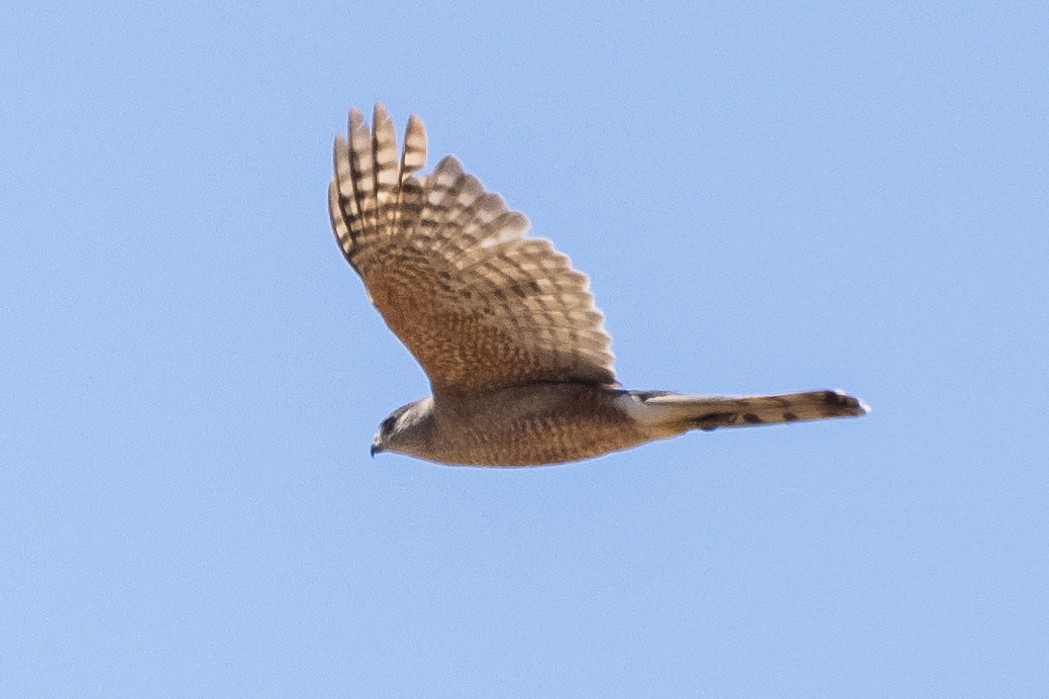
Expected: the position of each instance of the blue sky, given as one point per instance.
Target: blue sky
(767, 197)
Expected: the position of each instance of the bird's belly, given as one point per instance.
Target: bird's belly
(556, 426)
(536, 442)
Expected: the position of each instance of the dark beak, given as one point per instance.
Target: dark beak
(373, 450)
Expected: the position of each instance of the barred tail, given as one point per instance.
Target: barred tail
(679, 412)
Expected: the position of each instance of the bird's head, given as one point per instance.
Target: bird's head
(407, 430)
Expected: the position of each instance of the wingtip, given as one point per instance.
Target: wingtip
(355, 116)
(414, 155)
(379, 114)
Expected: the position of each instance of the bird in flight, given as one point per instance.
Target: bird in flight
(507, 332)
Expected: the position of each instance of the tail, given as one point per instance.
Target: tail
(678, 412)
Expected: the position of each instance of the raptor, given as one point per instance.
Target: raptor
(507, 332)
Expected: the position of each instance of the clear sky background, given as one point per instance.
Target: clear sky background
(767, 197)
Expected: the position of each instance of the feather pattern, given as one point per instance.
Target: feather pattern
(448, 265)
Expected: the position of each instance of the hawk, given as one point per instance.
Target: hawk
(505, 329)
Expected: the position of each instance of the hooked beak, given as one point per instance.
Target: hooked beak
(375, 448)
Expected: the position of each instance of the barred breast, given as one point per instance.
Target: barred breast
(531, 425)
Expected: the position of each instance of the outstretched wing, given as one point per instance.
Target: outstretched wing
(449, 268)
